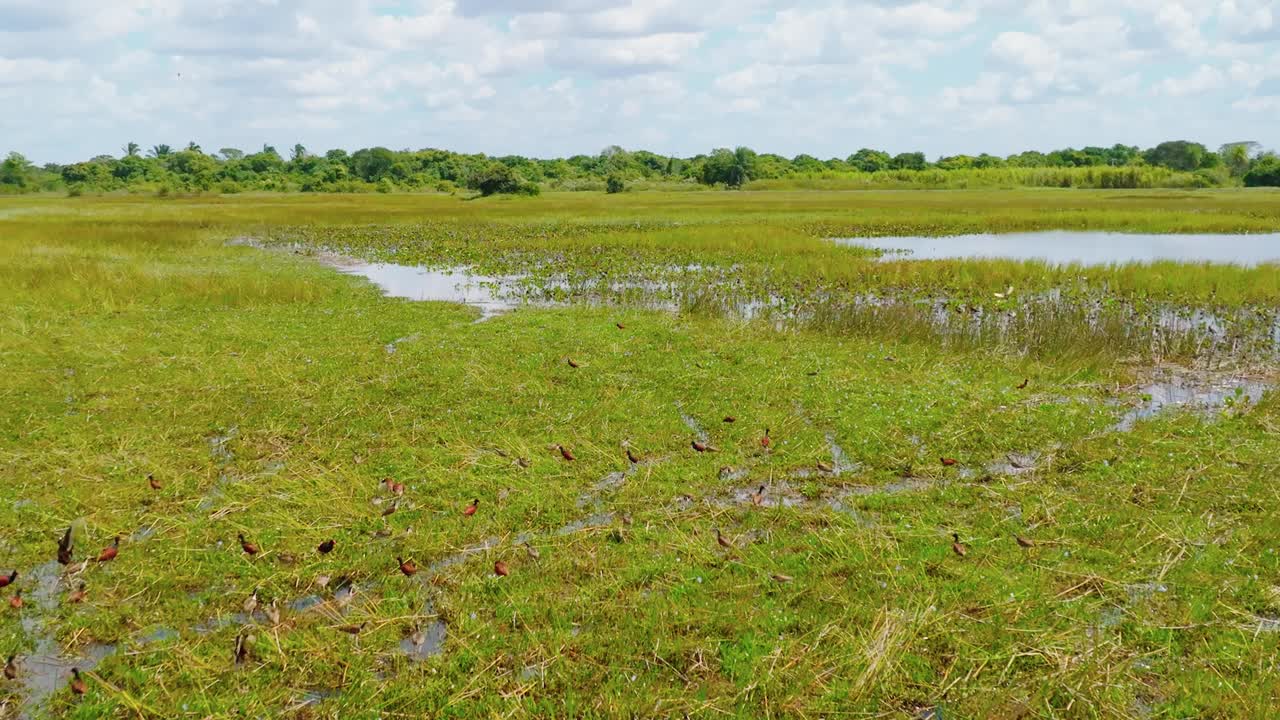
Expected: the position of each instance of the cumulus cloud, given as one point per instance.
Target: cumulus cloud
(565, 76)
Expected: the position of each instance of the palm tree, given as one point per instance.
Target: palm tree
(161, 150)
(299, 152)
(131, 149)
(193, 147)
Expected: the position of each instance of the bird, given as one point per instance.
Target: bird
(11, 668)
(272, 611)
(574, 364)
(1006, 294)
(620, 326)
(249, 548)
(353, 629)
(471, 509)
(15, 602)
(500, 569)
(251, 603)
(1024, 542)
(958, 547)
(243, 643)
(7, 580)
(635, 459)
(779, 577)
(765, 441)
(524, 462)
(343, 597)
(397, 489)
(532, 551)
(948, 462)
(286, 558)
(325, 547)
(391, 509)
(825, 467)
(722, 540)
(701, 446)
(109, 553)
(757, 497)
(730, 419)
(564, 453)
(1024, 384)
(77, 596)
(78, 685)
(408, 567)
(153, 482)
(65, 547)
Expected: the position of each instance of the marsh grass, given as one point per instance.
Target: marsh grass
(258, 388)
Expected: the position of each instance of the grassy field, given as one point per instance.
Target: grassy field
(270, 396)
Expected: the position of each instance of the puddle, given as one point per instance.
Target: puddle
(218, 447)
(596, 520)
(428, 641)
(462, 556)
(696, 427)
(1060, 247)
(159, 635)
(485, 292)
(1173, 390)
(1265, 624)
(303, 604)
(840, 462)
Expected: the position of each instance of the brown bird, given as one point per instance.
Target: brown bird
(6, 581)
(722, 540)
(391, 509)
(730, 419)
(779, 577)
(272, 611)
(65, 546)
(108, 554)
(500, 569)
(397, 489)
(958, 547)
(524, 462)
(353, 629)
(251, 603)
(153, 482)
(11, 668)
(15, 602)
(949, 462)
(701, 446)
(825, 467)
(249, 548)
(243, 643)
(564, 453)
(635, 459)
(757, 497)
(325, 547)
(1024, 384)
(408, 567)
(77, 596)
(621, 326)
(78, 685)
(471, 509)
(1024, 542)
(532, 551)
(573, 364)
(765, 441)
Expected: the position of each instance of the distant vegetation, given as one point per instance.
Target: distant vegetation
(164, 170)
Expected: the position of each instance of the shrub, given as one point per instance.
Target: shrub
(1264, 173)
(494, 179)
(614, 185)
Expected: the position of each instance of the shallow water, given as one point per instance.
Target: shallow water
(419, 283)
(1060, 247)
(1176, 391)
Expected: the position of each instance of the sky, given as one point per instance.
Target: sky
(550, 78)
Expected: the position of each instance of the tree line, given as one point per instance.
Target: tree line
(163, 169)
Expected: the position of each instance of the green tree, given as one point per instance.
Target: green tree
(131, 149)
(1265, 172)
(1236, 156)
(299, 153)
(494, 179)
(868, 160)
(732, 168)
(614, 184)
(193, 147)
(372, 164)
(231, 154)
(161, 150)
(15, 171)
(1179, 155)
(908, 161)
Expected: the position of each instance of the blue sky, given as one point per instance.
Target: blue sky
(557, 77)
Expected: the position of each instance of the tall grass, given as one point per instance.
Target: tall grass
(1134, 177)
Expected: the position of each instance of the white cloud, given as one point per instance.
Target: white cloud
(1204, 79)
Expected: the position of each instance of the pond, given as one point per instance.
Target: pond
(420, 283)
(1060, 247)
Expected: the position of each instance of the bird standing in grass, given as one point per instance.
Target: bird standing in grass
(531, 551)
(574, 364)
(471, 509)
(949, 462)
(765, 442)
(723, 541)
(153, 482)
(7, 580)
(631, 456)
(408, 567)
(251, 603)
(243, 643)
(11, 668)
(958, 547)
(1024, 542)
(78, 595)
(249, 548)
(825, 467)
(325, 547)
(78, 685)
(757, 497)
(108, 554)
(564, 453)
(272, 612)
(15, 602)
(65, 546)
(1024, 384)
(500, 569)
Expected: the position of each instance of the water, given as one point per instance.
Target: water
(419, 283)
(1059, 247)
(1172, 390)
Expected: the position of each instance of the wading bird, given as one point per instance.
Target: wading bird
(78, 685)
(564, 453)
(471, 509)
(958, 547)
(153, 482)
(65, 546)
(6, 581)
(635, 459)
(723, 541)
(325, 547)
(109, 553)
(408, 567)
(1024, 542)
(77, 596)
(249, 548)
(948, 462)
(11, 668)
(500, 569)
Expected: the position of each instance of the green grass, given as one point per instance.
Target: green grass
(134, 336)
